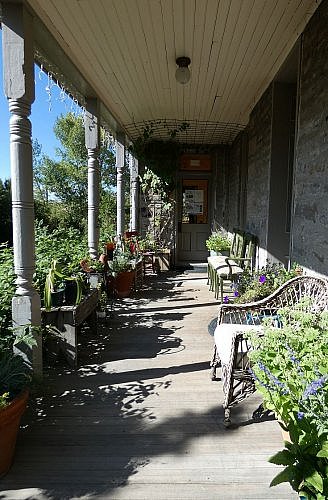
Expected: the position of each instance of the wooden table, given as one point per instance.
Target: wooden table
(67, 320)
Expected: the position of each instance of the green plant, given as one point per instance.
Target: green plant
(55, 280)
(290, 366)
(120, 263)
(218, 242)
(147, 243)
(160, 156)
(4, 400)
(67, 246)
(15, 373)
(7, 290)
(256, 285)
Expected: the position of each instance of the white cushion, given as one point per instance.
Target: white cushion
(225, 270)
(216, 261)
(224, 335)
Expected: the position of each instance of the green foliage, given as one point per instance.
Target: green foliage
(256, 285)
(61, 185)
(5, 211)
(4, 400)
(160, 205)
(147, 244)
(7, 290)
(120, 263)
(160, 156)
(14, 374)
(290, 365)
(56, 277)
(218, 242)
(66, 246)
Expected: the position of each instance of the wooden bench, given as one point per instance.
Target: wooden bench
(67, 320)
(242, 256)
(235, 319)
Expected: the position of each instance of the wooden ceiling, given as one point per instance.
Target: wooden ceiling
(126, 51)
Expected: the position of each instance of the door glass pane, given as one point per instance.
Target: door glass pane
(194, 201)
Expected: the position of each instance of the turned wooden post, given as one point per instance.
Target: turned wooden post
(18, 66)
(120, 152)
(92, 141)
(134, 194)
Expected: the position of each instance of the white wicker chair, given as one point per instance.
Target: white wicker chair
(238, 384)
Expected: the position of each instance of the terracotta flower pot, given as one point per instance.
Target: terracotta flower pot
(10, 417)
(123, 283)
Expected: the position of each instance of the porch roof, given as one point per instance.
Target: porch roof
(124, 52)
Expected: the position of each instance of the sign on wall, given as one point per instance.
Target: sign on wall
(194, 201)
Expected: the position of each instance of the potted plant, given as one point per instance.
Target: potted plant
(94, 269)
(218, 244)
(121, 275)
(290, 366)
(15, 377)
(54, 288)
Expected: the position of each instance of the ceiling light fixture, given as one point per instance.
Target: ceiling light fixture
(182, 73)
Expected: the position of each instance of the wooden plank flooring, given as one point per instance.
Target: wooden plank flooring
(140, 419)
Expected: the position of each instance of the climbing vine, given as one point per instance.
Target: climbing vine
(159, 156)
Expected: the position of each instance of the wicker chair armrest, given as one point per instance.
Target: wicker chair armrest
(317, 288)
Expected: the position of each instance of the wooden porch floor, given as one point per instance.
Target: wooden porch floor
(140, 418)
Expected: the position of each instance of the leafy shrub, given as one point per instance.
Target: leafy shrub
(7, 290)
(218, 242)
(290, 366)
(68, 246)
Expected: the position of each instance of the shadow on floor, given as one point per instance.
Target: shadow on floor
(88, 431)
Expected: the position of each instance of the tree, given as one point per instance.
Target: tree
(62, 184)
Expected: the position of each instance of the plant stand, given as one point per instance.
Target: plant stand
(164, 260)
(67, 320)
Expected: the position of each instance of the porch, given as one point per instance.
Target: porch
(140, 418)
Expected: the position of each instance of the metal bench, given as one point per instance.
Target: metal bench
(242, 255)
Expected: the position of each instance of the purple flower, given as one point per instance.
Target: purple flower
(312, 388)
(300, 415)
(294, 359)
(262, 279)
(236, 294)
(226, 299)
(272, 378)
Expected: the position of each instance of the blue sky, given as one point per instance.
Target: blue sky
(42, 117)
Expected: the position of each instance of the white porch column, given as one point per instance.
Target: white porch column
(120, 153)
(92, 140)
(134, 194)
(18, 65)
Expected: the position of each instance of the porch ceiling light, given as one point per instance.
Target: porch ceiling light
(182, 74)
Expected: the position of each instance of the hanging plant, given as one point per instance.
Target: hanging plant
(160, 156)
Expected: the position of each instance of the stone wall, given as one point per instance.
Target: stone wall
(259, 160)
(219, 189)
(233, 180)
(310, 216)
